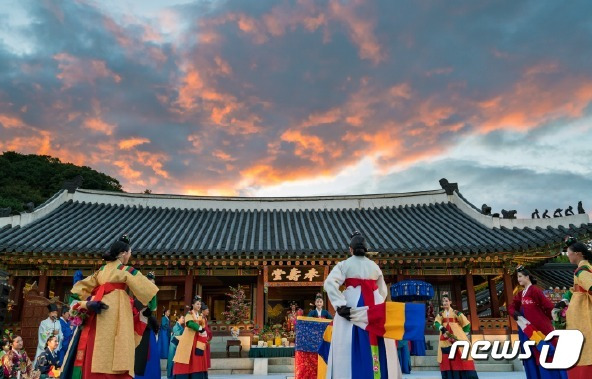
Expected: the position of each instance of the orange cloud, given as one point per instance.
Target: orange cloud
(361, 28)
(306, 146)
(98, 125)
(223, 156)
(267, 174)
(154, 161)
(127, 172)
(328, 117)
(533, 101)
(132, 142)
(10, 121)
(77, 70)
(197, 92)
(35, 143)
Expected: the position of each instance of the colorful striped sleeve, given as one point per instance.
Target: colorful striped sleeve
(567, 295)
(438, 322)
(584, 277)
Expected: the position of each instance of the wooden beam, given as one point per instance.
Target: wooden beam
(493, 296)
(472, 303)
(260, 301)
(188, 288)
(509, 293)
(457, 290)
(171, 279)
(43, 284)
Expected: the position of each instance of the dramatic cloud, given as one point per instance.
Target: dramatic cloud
(303, 97)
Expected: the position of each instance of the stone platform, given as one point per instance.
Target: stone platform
(421, 367)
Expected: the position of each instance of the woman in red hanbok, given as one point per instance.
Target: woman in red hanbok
(292, 315)
(534, 306)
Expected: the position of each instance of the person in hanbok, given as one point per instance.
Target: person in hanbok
(49, 360)
(579, 311)
(16, 364)
(190, 358)
(292, 315)
(532, 304)
(147, 358)
(105, 345)
(4, 348)
(453, 326)
(164, 334)
(66, 331)
(205, 313)
(319, 312)
(49, 327)
(177, 332)
(354, 352)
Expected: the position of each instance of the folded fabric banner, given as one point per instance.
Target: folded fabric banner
(309, 333)
(398, 321)
(324, 352)
(530, 331)
(535, 335)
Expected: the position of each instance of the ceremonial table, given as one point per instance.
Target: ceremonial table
(270, 352)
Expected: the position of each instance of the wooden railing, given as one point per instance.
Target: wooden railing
(490, 325)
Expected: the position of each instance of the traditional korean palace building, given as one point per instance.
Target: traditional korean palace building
(281, 249)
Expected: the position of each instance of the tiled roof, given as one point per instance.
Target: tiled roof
(431, 222)
(554, 275)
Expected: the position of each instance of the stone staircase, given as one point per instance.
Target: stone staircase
(244, 365)
(280, 366)
(429, 362)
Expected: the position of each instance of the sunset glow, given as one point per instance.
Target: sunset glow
(296, 97)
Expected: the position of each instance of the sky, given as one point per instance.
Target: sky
(286, 98)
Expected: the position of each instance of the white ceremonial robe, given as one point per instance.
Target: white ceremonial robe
(340, 364)
(46, 329)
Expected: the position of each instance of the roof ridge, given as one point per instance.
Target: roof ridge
(261, 198)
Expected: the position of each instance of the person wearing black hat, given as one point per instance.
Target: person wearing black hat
(49, 327)
(364, 288)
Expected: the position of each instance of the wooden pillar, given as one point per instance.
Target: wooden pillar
(188, 288)
(330, 307)
(472, 301)
(493, 296)
(509, 293)
(17, 296)
(260, 301)
(43, 281)
(457, 290)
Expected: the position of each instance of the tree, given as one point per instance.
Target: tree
(238, 307)
(35, 178)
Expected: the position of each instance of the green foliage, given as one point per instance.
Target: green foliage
(560, 259)
(35, 178)
(238, 307)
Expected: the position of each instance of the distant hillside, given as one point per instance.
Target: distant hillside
(35, 178)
